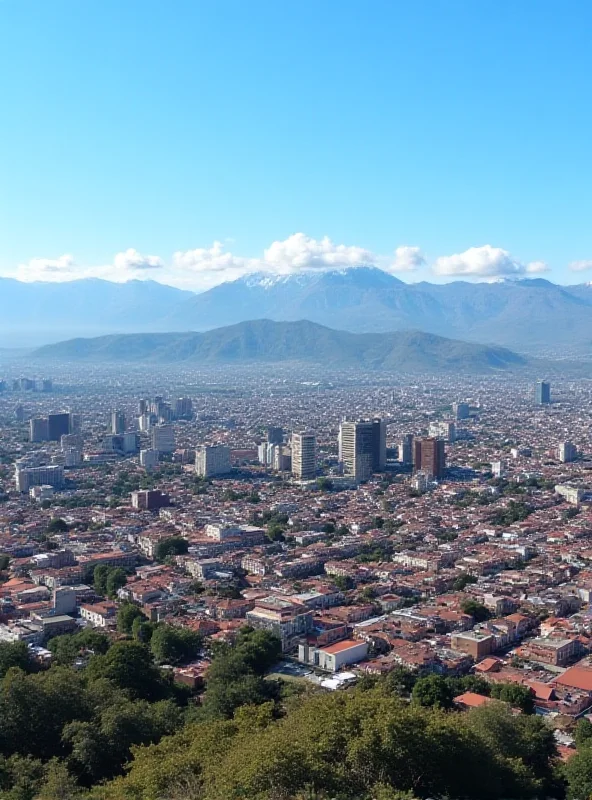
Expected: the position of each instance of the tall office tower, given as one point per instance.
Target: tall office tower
(75, 425)
(362, 447)
(163, 438)
(210, 461)
(542, 393)
(275, 434)
(406, 449)
(567, 452)
(72, 456)
(304, 455)
(71, 440)
(51, 475)
(129, 443)
(443, 429)
(117, 422)
(142, 407)
(58, 425)
(149, 459)
(183, 408)
(429, 456)
(461, 410)
(145, 422)
(46, 385)
(19, 413)
(38, 429)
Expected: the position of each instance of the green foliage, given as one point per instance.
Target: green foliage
(172, 546)
(128, 665)
(433, 691)
(343, 582)
(324, 484)
(517, 696)
(170, 645)
(463, 581)
(235, 676)
(515, 511)
(14, 654)
(583, 733)
(351, 746)
(116, 579)
(127, 613)
(4, 562)
(70, 646)
(477, 610)
(57, 525)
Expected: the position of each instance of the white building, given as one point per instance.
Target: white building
(163, 438)
(304, 455)
(571, 494)
(50, 475)
(210, 461)
(149, 459)
(567, 452)
(444, 430)
(335, 656)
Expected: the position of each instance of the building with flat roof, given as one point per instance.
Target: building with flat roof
(304, 455)
(212, 460)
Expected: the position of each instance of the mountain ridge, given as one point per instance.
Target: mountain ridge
(529, 314)
(266, 342)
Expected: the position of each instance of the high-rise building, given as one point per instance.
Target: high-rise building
(304, 455)
(567, 452)
(406, 449)
(542, 393)
(429, 456)
(117, 422)
(69, 440)
(142, 407)
(461, 411)
(183, 408)
(210, 461)
(149, 459)
(75, 423)
(275, 434)
(58, 425)
(49, 475)
(444, 430)
(362, 447)
(163, 438)
(38, 429)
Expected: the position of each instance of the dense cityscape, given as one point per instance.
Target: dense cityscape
(372, 525)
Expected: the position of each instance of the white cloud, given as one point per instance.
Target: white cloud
(581, 266)
(209, 259)
(47, 269)
(407, 259)
(485, 262)
(536, 267)
(131, 261)
(300, 252)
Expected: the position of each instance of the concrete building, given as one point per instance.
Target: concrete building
(406, 449)
(444, 430)
(571, 494)
(38, 429)
(288, 621)
(58, 425)
(163, 438)
(334, 656)
(149, 499)
(429, 456)
(149, 459)
(567, 452)
(362, 448)
(461, 411)
(214, 460)
(542, 393)
(49, 475)
(117, 422)
(304, 455)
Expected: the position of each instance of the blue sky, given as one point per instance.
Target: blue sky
(134, 130)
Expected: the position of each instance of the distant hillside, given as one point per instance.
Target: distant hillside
(531, 315)
(264, 341)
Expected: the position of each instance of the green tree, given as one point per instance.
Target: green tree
(116, 579)
(172, 546)
(57, 525)
(4, 562)
(433, 691)
(516, 695)
(58, 783)
(477, 610)
(127, 613)
(583, 733)
(128, 665)
(14, 654)
(463, 581)
(100, 575)
(170, 645)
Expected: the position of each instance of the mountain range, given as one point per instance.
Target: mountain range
(529, 315)
(264, 341)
